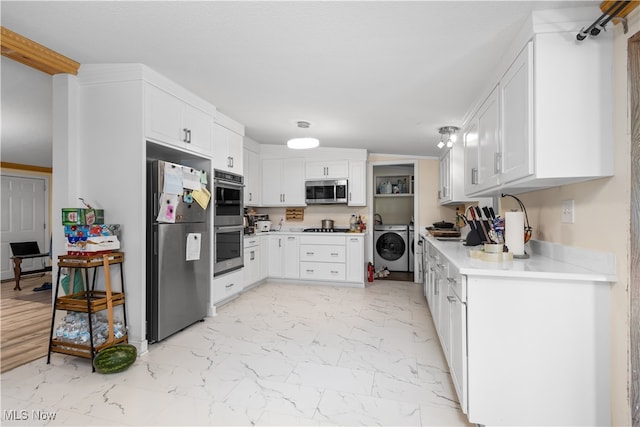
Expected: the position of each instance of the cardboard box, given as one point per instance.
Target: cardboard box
(82, 216)
(92, 244)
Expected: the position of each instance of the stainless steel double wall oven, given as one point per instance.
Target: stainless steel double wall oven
(228, 222)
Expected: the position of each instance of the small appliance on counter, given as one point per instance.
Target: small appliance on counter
(263, 226)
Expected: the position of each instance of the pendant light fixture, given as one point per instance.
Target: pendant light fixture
(448, 136)
(303, 142)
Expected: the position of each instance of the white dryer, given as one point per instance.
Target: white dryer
(391, 243)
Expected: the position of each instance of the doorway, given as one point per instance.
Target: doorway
(394, 207)
(24, 213)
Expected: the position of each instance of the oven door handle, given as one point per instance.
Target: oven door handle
(226, 228)
(222, 183)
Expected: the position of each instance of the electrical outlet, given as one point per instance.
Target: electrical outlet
(567, 212)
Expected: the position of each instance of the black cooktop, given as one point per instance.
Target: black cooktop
(325, 230)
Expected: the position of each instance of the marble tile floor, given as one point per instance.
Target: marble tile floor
(279, 355)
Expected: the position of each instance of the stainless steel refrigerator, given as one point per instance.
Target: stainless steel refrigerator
(178, 286)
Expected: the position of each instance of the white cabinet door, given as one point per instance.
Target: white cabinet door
(444, 193)
(443, 316)
(283, 182)
(276, 254)
(169, 119)
(355, 260)
(234, 151)
(227, 149)
(271, 182)
(291, 258)
(252, 177)
(264, 261)
(284, 259)
(357, 183)
(458, 348)
(470, 138)
(517, 117)
(293, 182)
(252, 265)
(489, 143)
(163, 116)
(327, 169)
(199, 128)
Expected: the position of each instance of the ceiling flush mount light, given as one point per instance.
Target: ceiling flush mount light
(305, 142)
(448, 136)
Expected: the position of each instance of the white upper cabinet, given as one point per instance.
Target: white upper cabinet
(227, 145)
(470, 141)
(552, 103)
(327, 169)
(171, 120)
(252, 178)
(516, 119)
(488, 143)
(283, 182)
(444, 192)
(357, 183)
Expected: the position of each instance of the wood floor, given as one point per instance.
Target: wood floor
(25, 321)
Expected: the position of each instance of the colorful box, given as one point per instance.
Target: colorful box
(92, 230)
(82, 216)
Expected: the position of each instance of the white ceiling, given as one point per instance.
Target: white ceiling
(380, 75)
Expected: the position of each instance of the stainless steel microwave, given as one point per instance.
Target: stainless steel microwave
(326, 191)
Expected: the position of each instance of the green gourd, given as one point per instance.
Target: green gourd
(115, 359)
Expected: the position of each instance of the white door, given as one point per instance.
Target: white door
(23, 220)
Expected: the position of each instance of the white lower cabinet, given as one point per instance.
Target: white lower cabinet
(514, 344)
(283, 256)
(322, 258)
(252, 260)
(227, 286)
(355, 259)
(315, 257)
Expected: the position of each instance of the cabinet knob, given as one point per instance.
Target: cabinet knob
(451, 299)
(230, 285)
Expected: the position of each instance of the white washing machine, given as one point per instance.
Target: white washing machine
(391, 243)
(412, 244)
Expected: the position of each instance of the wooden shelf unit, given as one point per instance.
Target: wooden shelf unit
(88, 301)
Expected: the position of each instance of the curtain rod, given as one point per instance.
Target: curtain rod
(600, 23)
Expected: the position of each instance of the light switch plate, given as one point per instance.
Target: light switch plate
(567, 212)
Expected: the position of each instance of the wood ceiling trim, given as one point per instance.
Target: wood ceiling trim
(35, 55)
(607, 4)
(30, 168)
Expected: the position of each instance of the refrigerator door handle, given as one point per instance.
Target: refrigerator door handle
(155, 242)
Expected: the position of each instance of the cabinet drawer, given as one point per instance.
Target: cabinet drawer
(322, 253)
(322, 240)
(251, 241)
(322, 271)
(227, 285)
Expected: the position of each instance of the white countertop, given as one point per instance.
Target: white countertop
(304, 233)
(537, 266)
